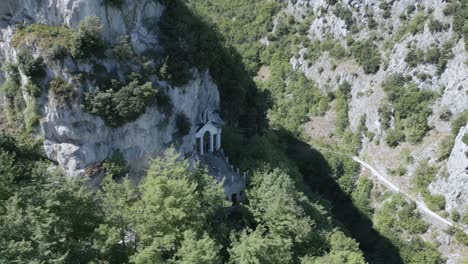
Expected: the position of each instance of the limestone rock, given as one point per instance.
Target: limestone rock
(455, 186)
(78, 140)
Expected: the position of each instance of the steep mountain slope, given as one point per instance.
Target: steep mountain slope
(103, 88)
(385, 79)
(415, 40)
(302, 87)
(73, 137)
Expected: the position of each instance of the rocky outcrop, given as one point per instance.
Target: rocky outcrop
(78, 140)
(125, 20)
(454, 185)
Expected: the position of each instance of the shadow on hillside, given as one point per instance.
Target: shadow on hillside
(190, 41)
(317, 175)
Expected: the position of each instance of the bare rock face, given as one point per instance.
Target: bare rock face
(78, 140)
(127, 20)
(454, 187)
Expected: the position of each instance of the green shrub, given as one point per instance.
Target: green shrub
(362, 196)
(423, 176)
(394, 137)
(464, 218)
(337, 51)
(12, 72)
(445, 147)
(48, 38)
(398, 171)
(124, 50)
(416, 127)
(116, 166)
(59, 41)
(183, 124)
(63, 92)
(437, 26)
(455, 215)
(32, 67)
(432, 55)
(434, 202)
(416, 25)
(446, 54)
(410, 9)
(465, 139)
(341, 107)
(372, 23)
(411, 108)
(119, 105)
(10, 88)
(87, 40)
(414, 57)
(385, 114)
(399, 215)
(367, 55)
(386, 8)
(175, 72)
(31, 115)
(461, 237)
(458, 122)
(451, 8)
(57, 52)
(14, 103)
(402, 16)
(344, 14)
(33, 89)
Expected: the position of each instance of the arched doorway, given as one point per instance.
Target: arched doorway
(206, 142)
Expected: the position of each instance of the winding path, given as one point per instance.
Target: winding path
(422, 207)
(395, 188)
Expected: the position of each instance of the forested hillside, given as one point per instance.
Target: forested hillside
(98, 114)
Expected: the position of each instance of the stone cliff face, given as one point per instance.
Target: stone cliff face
(127, 20)
(454, 186)
(78, 140)
(367, 93)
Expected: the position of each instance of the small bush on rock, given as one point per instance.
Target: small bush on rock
(32, 67)
(459, 121)
(411, 109)
(394, 137)
(116, 167)
(119, 105)
(124, 50)
(87, 41)
(367, 55)
(63, 92)
(31, 115)
(434, 202)
(33, 89)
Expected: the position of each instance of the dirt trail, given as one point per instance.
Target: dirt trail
(395, 188)
(422, 207)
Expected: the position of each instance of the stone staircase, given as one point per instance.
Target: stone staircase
(233, 180)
